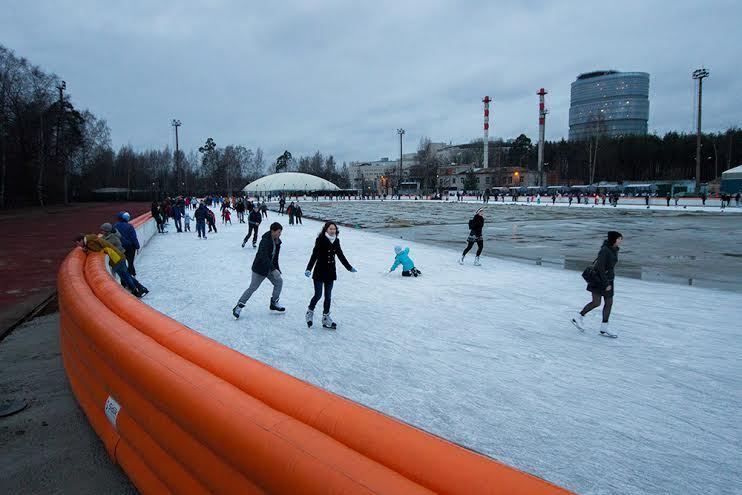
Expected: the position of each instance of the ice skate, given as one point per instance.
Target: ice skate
(579, 322)
(461, 260)
(309, 317)
(237, 310)
(605, 332)
(328, 323)
(276, 306)
(243, 243)
(477, 262)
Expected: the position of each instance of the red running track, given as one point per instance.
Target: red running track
(34, 241)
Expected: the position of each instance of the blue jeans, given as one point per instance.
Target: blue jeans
(318, 294)
(201, 227)
(126, 278)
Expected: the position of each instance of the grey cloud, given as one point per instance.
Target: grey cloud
(341, 77)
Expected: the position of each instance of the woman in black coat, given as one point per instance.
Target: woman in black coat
(326, 247)
(475, 235)
(602, 285)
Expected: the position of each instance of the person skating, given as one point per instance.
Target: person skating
(265, 265)
(298, 213)
(402, 257)
(603, 283)
(156, 215)
(226, 216)
(177, 213)
(475, 235)
(240, 208)
(187, 221)
(253, 222)
(200, 215)
(211, 220)
(281, 204)
(290, 213)
(116, 260)
(326, 247)
(264, 209)
(129, 239)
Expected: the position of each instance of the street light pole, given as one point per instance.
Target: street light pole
(399, 182)
(176, 123)
(61, 87)
(699, 74)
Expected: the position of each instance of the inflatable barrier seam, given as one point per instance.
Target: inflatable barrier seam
(260, 429)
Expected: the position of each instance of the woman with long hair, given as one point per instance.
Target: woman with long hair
(326, 247)
(603, 283)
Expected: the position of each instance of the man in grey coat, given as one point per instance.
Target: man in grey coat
(265, 266)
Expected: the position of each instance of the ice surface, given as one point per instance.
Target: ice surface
(487, 357)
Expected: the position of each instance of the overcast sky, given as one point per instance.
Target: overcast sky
(342, 76)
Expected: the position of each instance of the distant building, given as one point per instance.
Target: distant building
(609, 103)
(380, 176)
(731, 180)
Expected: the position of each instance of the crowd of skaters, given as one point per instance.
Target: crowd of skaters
(120, 243)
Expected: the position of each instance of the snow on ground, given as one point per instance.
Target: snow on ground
(486, 356)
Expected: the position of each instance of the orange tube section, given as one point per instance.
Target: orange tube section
(182, 413)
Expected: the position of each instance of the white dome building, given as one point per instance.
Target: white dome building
(289, 182)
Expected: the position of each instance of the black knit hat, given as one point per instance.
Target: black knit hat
(612, 236)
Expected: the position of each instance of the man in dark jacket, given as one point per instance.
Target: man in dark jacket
(201, 214)
(253, 221)
(129, 239)
(177, 212)
(265, 266)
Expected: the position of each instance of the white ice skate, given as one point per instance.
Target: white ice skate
(309, 317)
(461, 261)
(605, 332)
(328, 323)
(477, 262)
(276, 306)
(578, 321)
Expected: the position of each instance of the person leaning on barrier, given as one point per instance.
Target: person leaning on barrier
(116, 260)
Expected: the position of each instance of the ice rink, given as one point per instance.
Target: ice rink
(487, 357)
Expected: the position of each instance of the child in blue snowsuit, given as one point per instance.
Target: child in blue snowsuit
(403, 258)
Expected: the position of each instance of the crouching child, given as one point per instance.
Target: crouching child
(402, 257)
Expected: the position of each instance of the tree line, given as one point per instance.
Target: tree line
(630, 158)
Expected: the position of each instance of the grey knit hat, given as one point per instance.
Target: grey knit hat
(106, 227)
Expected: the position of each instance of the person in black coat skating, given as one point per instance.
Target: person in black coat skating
(326, 247)
(253, 221)
(475, 235)
(603, 284)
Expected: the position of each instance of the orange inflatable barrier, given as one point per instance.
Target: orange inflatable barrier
(182, 413)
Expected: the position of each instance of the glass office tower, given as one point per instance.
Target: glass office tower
(609, 103)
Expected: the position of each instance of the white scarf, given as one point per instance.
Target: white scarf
(331, 238)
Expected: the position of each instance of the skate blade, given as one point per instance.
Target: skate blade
(608, 335)
(330, 327)
(578, 326)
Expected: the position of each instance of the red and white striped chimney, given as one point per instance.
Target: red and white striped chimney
(485, 161)
(542, 111)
